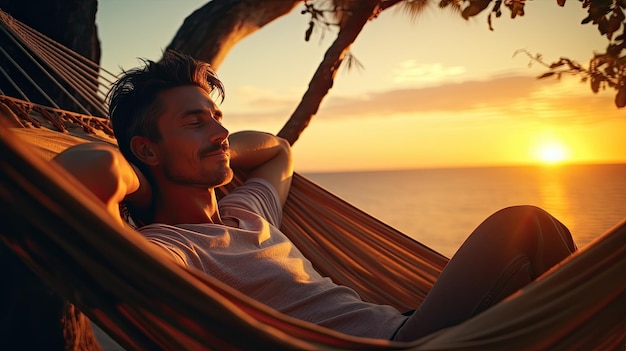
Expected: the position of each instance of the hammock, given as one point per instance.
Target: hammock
(123, 284)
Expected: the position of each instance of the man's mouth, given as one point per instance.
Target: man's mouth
(216, 149)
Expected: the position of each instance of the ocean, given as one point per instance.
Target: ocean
(441, 207)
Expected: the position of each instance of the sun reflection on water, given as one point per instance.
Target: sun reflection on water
(554, 197)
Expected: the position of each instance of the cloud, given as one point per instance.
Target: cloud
(449, 97)
(410, 71)
(503, 96)
(250, 97)
(248, 103)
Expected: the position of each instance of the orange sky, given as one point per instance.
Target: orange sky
(435, 92)
(511, 120)
(499, 121)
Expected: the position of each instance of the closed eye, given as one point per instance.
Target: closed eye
(198, 117)
(192, 122)
(218, 116)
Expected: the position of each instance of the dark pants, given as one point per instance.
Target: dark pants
(506, 252)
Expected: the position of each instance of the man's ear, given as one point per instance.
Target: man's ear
(144, 150)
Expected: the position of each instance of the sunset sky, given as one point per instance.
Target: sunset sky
(436, 91)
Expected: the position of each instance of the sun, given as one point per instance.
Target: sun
(552, 152)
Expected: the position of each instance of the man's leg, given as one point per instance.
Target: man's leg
(506, 252)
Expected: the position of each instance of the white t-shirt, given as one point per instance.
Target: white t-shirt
(253, 256)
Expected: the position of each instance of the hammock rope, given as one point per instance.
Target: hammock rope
(90, 81)
(39, 116)
(30, 80)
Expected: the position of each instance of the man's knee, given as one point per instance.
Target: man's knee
(534, 223)
(522, 211)
(520, 214)
(525, 220)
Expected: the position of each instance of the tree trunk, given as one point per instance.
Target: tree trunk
(33, 316)
(210, 32)
(324, 76)
(71, 23)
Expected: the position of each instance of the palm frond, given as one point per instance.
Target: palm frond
(352, 62)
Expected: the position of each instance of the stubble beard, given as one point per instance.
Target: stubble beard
(206, 179)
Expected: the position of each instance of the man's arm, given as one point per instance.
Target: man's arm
(265, 156)
(103, 170)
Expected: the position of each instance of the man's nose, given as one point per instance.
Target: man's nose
(218, 132)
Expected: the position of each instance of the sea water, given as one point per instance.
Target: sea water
(441, 207)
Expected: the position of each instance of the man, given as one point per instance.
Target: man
(174, 151)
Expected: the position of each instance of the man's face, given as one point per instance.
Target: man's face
(193, 149)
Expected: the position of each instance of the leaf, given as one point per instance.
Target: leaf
(444, 3)
(517, 8)
(603, 25)
(620, 97)
(546, 75)
(309, 31)
(475, 7)
(595, 84)
(614, 24)
(610, 71)
(557, 64)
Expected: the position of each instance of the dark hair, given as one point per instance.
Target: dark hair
(133, 104)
